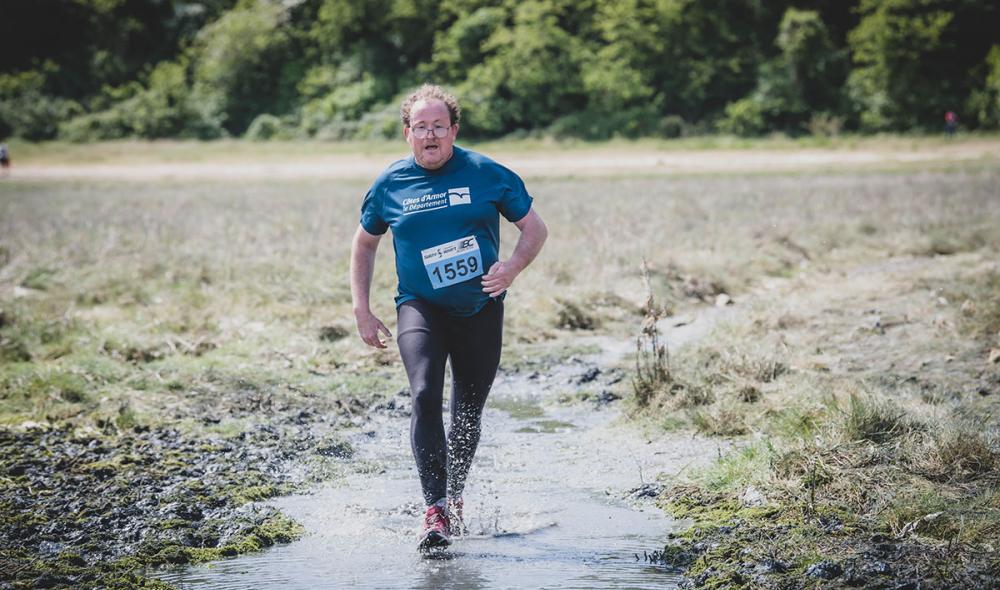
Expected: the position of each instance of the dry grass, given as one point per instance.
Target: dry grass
(162, 281)
(957, 454)
(979, 298)
(120, 302)
(876, 411)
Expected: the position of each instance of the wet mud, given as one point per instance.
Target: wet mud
(83, 506)
(560, 496)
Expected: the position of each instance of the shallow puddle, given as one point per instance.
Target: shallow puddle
(544, 510)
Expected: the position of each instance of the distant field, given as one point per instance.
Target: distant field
(236, 160)
(254, 270)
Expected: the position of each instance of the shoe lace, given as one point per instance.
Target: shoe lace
(435, 515)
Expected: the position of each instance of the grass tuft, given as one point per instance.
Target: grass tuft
(571, 316)
(652, 359)
(868, 418)
(39, 279)
(958, 454)
(719, 420)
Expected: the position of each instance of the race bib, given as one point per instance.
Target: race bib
(453, 262)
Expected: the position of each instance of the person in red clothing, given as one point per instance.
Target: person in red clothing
(950, 122)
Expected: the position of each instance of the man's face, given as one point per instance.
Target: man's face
(430, 152)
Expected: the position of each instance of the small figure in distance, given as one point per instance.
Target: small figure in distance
(950, 123)
(4, 160)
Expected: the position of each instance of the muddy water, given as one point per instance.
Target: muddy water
(547, 506)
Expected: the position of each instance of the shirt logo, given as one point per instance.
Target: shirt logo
(434, 201)
(459, 196)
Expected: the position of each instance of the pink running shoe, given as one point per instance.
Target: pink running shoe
(436, 532)
(455, 516)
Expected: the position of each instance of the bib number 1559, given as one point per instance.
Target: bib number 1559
(453, 262)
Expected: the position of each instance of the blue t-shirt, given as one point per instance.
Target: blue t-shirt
(445, 225)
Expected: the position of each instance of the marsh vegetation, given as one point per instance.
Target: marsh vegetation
(188, 344)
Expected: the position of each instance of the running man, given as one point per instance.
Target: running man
(443, 205)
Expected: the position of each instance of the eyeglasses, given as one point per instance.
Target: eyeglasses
(423, 132)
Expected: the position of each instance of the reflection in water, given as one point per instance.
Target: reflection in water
(542, 506)
(444, 574)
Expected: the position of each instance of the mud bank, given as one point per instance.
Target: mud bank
(86, 506)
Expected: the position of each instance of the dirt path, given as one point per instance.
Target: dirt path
(558, 162)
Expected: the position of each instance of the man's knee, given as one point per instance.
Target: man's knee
(426, 403)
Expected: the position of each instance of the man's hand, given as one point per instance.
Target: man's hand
(502, 274)
(369, 327)
(499, 278)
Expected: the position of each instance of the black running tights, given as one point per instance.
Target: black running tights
(427, 336)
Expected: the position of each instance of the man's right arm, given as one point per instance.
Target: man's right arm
(363, 250)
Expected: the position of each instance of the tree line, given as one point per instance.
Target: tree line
(86, 70)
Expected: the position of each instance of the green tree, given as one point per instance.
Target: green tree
(388, 38)
(27, 111)
(913, 59)
(984, 103)
(462, 45)
(801, 83)
(616, 74)
(813, 67)
(244, 64)
(164, 107)
(530, 76)
(712, 51)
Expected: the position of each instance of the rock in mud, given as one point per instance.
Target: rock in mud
(391, 407)
(771, 566)
(862, 573)
(32, 425)
(646, 490)
(588, 376)
(825, 570)
(335, 447)
(753, 498)
(673, 556)
(606, 397)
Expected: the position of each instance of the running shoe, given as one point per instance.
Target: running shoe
(436, 532)
(455, 517)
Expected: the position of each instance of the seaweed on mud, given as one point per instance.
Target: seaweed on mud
(120, 501)
(777, 548)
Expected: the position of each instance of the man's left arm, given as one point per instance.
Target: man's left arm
(503, 273)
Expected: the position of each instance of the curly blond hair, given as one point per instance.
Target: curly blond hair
(429, 92)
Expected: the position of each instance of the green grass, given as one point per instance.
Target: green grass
(873, 419)
(749, 465)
